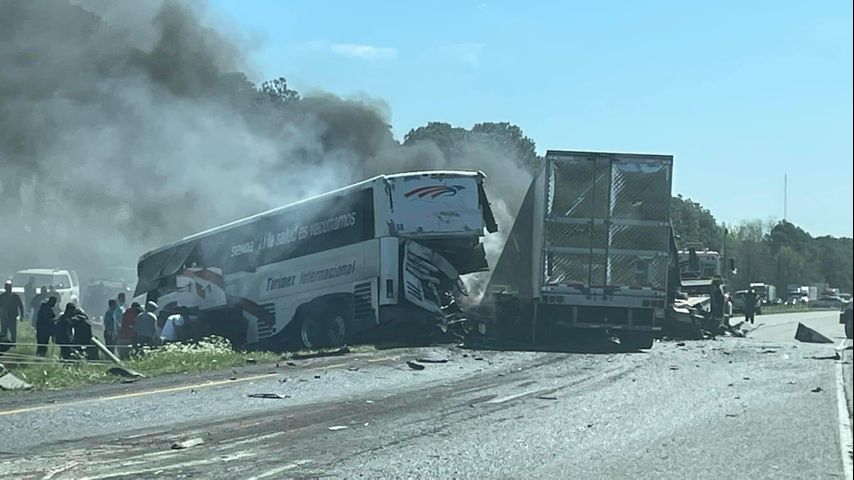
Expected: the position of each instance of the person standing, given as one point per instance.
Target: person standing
(63, 331)
(717, 299)
(83, 334)
(146, 325)
(112, 323)
(36, 304)
(750, 299)
(127, 333)
(11, 307)
(45, 319)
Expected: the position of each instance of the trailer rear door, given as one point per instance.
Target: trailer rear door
(606, 220)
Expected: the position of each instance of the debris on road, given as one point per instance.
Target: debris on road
(808, 335)
(680, 344)
(835, 356)
(335, 428)
(546, 397)
(11, 382)
(432, 360)
(124, 372)
(274, 396)
(731, 415)
(333, 353)
(414, 366)
(817, 390)
(768, 350)
(251, 360)
(674, 367)
(192, 442)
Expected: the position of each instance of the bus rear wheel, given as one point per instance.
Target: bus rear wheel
(323, 330)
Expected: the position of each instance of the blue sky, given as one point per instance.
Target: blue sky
(739, 92)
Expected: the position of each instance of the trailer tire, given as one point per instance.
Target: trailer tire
(637, 340)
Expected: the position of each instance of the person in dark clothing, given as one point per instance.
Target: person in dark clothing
(11, 307)
(718, 301)
(750, 299)
(83, 334)
(36, 303)
(63, 331)
(44, 325)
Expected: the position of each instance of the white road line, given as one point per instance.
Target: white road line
(277, 470)
(845, 440)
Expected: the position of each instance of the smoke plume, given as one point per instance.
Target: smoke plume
(127, 125)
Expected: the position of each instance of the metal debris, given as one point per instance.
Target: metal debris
(817, 390)
(808, 335)
(11, 382)
(124, 372)
(414, 366)
(335, 428)
(546, 397)
(192, 442)
(432, 360)
(274, 396)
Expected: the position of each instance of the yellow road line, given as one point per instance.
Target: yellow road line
(168, 389)
(137, 394)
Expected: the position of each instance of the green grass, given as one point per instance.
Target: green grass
(208, 354)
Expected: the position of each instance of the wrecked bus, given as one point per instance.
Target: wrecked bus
(330, 269)
(590, 250)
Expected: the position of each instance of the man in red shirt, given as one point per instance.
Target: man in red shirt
(127, 333)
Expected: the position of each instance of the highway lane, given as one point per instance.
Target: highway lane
(730, 407)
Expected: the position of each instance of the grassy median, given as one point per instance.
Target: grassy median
(49, 373)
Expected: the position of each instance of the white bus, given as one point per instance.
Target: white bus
(330, 269)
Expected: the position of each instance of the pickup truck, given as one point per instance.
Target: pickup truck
(64, 281)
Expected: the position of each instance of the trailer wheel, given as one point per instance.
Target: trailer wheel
(336, 331)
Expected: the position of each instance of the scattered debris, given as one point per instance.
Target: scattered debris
(291, 364)
(432, 360)
(808, 335)
(130, 380)
(283, 380)
(769, 350)
(124, 372)
(274, 396)
(302, 356)
(817, 390)
(589, 425)
(251, 360)
(369, 401)
(335, 428)
(546, 397)
(674, 367)
(465, 355)
(680, 344)
(731, 415)
(317, 376)
(745, 378)
(11, 382)
(835, 356)
(478, 358)
(414, 366)
(352, 369)
(192, 442)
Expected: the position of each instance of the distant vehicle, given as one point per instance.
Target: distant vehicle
(64, 281)
(797, 294)
(738, 303)
(767, 293)
(846, 317)
(830, 302)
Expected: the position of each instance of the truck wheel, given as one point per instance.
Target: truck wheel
(637, 340)
(311, 331)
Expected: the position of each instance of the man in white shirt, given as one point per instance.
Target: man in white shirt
(171, 331)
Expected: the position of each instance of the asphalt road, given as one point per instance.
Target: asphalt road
(729, 407)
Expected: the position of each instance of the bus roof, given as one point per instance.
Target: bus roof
(348, 188)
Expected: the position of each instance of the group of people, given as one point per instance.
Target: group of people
(71, 329)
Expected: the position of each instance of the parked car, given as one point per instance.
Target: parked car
(830, 302)
(64, 281)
